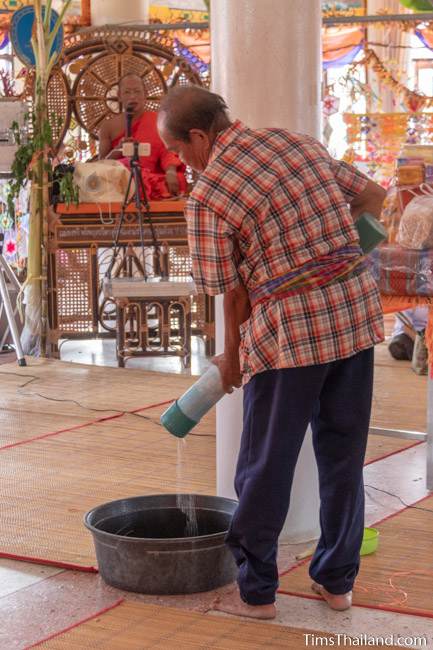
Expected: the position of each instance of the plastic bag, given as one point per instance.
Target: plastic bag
(420, 355)
(416, 225)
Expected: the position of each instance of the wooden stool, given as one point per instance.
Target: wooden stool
(153, 317)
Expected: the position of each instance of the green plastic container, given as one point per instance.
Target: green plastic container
(370, 541)
(371, 232)
(188, 410)
(176, 422)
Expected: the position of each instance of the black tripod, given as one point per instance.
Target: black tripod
(141, 205)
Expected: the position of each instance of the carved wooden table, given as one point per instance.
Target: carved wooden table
(80, 249)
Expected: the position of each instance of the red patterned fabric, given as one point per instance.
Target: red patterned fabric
(270, 201)
(153, 167)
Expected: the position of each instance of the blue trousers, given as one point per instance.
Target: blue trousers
(278, 406)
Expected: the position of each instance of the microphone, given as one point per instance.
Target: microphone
(129, 118)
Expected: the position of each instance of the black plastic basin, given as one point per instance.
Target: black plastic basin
(141, 544)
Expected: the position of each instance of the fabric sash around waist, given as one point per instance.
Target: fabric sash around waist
(342, 264)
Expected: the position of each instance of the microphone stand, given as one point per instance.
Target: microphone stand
(141, 202)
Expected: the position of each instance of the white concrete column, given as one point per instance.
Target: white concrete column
(113, 12)
(266, 63)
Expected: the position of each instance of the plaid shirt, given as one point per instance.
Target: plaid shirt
(270, 201)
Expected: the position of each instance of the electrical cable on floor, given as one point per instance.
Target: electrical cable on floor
(16, 374)
(407, 505)
(89, 408)
(73, 401)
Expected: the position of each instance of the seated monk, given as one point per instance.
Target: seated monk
(162, 171)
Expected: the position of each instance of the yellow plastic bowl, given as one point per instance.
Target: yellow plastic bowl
(370, 541)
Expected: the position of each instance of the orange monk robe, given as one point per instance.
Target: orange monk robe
(153, 167)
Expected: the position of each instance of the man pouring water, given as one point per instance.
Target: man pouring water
(271, 227)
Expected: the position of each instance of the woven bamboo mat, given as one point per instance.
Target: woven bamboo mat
(399, 394)
(98, 387)
(135, 626)
(399, 576)
(46, 486)
(22, 420)
(26, 413)
(38, 408)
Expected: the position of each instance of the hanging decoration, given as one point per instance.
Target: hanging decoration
(10, 246)
(357, 89)
(6, 222)
(331, 104)
(13, 227)
(412, 100)
(375, 139)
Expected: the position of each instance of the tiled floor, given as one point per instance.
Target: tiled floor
(102, 352)
(37, 600)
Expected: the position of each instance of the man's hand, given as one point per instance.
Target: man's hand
(172, 181)
(370, 200)
(230, 371)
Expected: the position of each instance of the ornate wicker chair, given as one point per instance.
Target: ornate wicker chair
(83, 88)
(82, 93)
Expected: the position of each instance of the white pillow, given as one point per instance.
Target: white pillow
(104, 181)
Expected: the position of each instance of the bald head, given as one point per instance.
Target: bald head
(130, 75)
(188, 108)
(132, 93)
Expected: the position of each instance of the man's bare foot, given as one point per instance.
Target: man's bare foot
(233, 604)
(339, 602)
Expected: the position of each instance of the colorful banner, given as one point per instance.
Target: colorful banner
(78, 13)
(6, 6)
(341, 45)
(168, 15)
(192, 44)
(4, 39)
(425, 35)
(356, 7)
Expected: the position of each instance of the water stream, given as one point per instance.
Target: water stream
(185, 502)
